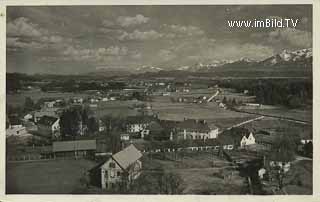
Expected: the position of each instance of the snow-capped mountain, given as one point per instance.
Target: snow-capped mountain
(289, 57)
(300, 58)
(146, 68)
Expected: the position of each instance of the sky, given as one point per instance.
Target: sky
(80, 39)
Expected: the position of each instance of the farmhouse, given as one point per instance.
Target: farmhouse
(121, 168)
(247, 139)
(76, 148)
(49, 126)
(136, 124)
(196, 129)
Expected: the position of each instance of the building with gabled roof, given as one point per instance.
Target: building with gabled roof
(49, 126)
(121, 168)
(74, 148)
(196, 129)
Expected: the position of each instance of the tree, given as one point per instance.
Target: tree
(308, 149)
(28, 104)
(283, 151)
(224, 101)
(93, 125)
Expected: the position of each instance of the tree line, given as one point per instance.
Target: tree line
(290, 93)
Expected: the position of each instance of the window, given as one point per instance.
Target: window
(112, 174)
(112, 165)
(118, 173)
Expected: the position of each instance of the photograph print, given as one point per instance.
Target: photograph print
(159, 99)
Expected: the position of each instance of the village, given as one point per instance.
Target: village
(155, 137)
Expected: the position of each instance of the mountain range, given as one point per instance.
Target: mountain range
(301, 58)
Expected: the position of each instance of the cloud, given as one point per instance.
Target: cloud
(23, 34)
(126, 21)
(291, 36)
(140, 35)
(180, 30)
(107, 23)
(23, 27)
(166, 55)
(94, 55)
(14, 43)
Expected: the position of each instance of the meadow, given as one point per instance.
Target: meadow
(45, 177)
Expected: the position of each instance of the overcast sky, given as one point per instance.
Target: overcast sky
(78, 39)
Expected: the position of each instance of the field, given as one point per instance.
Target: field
(116, 108)
(276, 126)
(47, 177)
(303, 115)
(209, 111)
(201, 173)
(19, 99)
(300, 180)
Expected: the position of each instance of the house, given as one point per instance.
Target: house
(124, 137)
(121, 168)
(196, 129)
(247, 139)
(49, 126)
(77, 100)
(136, 124)
(222, 105)
(49, 104)
(77, 148)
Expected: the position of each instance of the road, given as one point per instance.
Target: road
(245, 122)
(274, 116)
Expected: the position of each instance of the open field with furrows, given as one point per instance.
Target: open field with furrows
(228, 93)
(46, 177)
(19, 98)
(208, 111)
(116, 108)
(201, 173)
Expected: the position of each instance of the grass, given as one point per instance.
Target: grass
(47, 177)
(197, 174)
(301, 178)
(19, 99)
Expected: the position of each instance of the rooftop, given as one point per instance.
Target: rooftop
(47, 120)
(194, 125)
(127, 156)
(78, 145)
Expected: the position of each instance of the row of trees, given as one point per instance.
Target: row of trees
(290, 93)
(77, 120)
(72, 85)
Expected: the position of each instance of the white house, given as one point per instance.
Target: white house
(247, 139)
(197, 129)
(122, 167)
